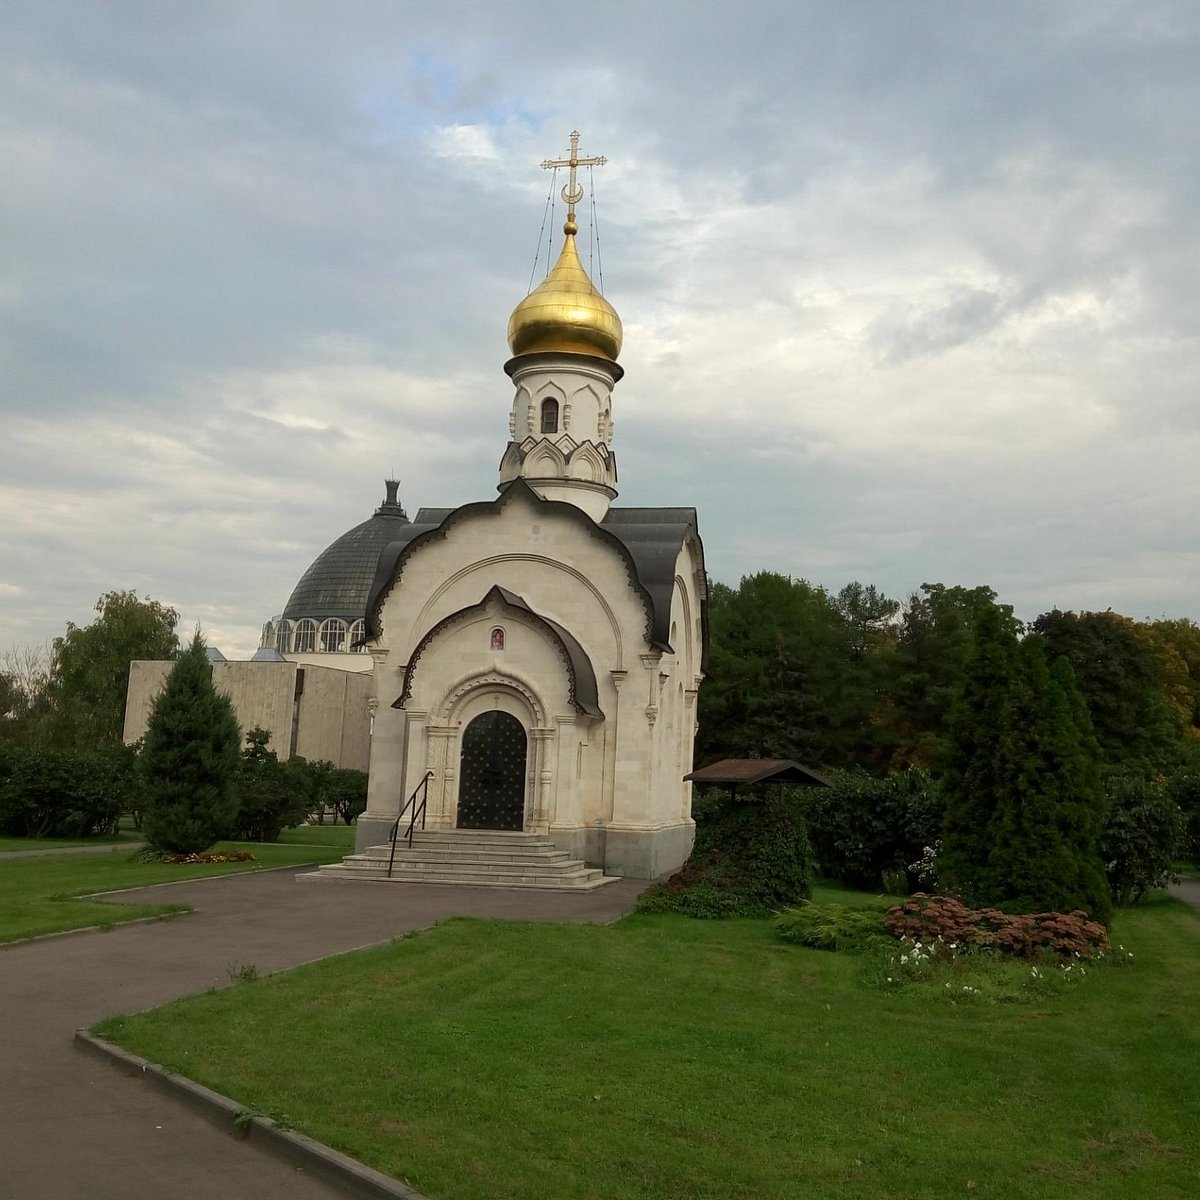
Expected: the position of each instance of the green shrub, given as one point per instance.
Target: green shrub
(1184, 788)
(751, 858)
(56, 793)
(832, 927)
(1144, 834)
(340, 788)
(864, 826)
(189, 760)
(271, 796)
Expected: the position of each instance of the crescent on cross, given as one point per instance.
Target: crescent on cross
(572, 191)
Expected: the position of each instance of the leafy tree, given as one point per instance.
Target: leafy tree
(1122, 674)
(1178, 645)
(24, 691)
(868, 617)
(1183, 788)
(189, 760)
(89, 674)
(1142, 837)
(347, 794)
(271, 796)
(792, 672)
(865, 825)
(934, 643)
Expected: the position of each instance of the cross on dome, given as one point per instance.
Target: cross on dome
(572, 191)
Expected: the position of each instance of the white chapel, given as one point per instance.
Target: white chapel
(537, 656)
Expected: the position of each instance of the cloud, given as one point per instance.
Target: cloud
(907, 295)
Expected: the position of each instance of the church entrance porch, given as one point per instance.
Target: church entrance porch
(491, 793)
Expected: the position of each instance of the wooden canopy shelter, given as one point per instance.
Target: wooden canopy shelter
(731, 772)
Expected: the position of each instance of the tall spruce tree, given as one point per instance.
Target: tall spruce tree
(1047, 820)
(1024, 799)
(189, 759)
(980, 765)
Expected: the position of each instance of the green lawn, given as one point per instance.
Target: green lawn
(341, 837)
(19, 843)
(36, 894)
(663, 1059)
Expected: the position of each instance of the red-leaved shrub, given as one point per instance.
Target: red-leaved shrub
(927, 918)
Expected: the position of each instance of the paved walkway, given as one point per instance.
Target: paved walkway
(73, 1128)
(1187, 890)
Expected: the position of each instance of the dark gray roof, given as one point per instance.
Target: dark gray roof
(650, 539)
(585, 695)
(339, 580)
(654, 537)
(758, 770)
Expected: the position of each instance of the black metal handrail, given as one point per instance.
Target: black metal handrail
(418, 811)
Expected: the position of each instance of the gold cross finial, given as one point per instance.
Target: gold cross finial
(572, 192)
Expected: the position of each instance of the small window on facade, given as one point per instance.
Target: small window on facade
(333, 635)
(305, 638)
(549, 416)
(497, 638)
(357, 632)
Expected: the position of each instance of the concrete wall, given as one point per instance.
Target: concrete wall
(331, 717)
(332, 722)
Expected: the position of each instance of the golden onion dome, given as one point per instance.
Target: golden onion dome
(566, 313)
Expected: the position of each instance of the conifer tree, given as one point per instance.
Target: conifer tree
(1047, 820)
(1024, 799)
(980, 764)
(189, 759)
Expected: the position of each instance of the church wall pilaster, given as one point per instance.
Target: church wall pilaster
(388, 740)
(542, 746)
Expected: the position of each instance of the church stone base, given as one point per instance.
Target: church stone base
(647, 853)
(371, 831)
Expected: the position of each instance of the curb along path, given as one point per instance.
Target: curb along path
(74, 1128)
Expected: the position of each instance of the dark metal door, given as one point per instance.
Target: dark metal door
(491, 790)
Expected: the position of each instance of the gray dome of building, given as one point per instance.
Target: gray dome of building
(337, 583)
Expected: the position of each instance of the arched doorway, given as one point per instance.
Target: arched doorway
(491, 790)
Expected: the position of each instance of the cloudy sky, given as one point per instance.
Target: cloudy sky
(911, 291)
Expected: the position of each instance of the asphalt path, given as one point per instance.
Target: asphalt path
(73, 1128)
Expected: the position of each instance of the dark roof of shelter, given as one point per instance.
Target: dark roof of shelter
(758, 770)
(337, 583)
(651, 539)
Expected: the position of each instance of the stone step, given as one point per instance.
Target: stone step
(437, 853)
(491, 837)
(585, 881)
(567, 866)
(470, 857)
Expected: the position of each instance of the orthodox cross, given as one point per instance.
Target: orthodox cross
(572, 192)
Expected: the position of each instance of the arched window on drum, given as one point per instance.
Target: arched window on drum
(304, 641)
(333, 635)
